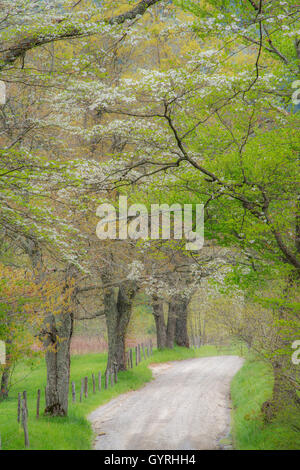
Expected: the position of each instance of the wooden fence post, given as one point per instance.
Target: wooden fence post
(24, 422)
(112, 378)
(25, 400)
(19, 407)
(73, 392)
(147, 351)
(99, 381)
(38, 403)
(106, 379)
(136, 356)
(94, 383)
(151, 347)
(85, 387)
(131, 358)
(139, 351)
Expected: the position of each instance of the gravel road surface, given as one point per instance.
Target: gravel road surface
(186, 407)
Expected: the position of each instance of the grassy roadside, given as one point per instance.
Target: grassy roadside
(74, 432)
(250, 387)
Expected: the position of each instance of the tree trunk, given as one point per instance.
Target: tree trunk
(171, 327)
(60, 329)
(4, 383)
(284, 394)
(5, 377)
(161, 330)
(57, 340)
(56, 336)
(118, 306)
(181, 333)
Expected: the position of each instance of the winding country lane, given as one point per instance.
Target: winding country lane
(185, 407)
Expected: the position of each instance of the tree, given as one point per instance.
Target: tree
(181, 329)
(118, 302)
(39, 192)
(158, 313)
(224, 131)
(56, 334)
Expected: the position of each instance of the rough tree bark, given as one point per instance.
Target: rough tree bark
(4, 383)
(284, 394)
(177, 322)
(5, 377)
(181, 333)
(171, 326)
(57, 343)
(161, 329)
(56, 336)
(118, 306)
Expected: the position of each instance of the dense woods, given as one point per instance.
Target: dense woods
(174, 103)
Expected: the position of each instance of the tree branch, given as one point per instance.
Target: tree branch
(19, 48)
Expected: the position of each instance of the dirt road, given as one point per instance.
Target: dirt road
(185, 407)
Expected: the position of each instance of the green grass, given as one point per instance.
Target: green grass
(251, 386)
(74, 432)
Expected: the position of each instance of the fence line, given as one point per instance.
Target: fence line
(22, 404)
